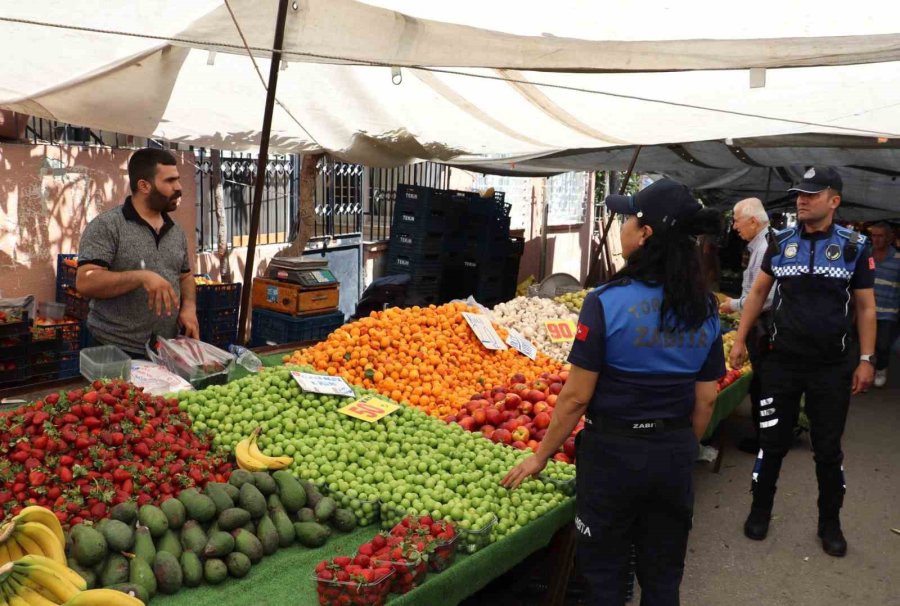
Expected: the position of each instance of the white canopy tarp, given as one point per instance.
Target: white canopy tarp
(510, 79)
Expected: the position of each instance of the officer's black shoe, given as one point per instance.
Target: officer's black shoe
(757, 525)
(833, 541)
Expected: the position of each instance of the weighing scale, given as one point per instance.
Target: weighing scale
(297, 287)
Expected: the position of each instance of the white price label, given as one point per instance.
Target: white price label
(484, 330)
(522, 345)
(326, 384)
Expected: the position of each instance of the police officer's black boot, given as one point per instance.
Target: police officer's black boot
(756, 526)
(833, 541)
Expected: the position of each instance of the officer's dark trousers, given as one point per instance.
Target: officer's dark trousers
(757, 348)
(634, 489)
(827, 388)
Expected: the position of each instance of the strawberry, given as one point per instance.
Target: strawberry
(367, 549)
(342, 561)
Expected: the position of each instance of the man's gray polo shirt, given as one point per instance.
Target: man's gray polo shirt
(120, 240)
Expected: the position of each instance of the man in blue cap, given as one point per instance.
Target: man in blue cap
(823, 276)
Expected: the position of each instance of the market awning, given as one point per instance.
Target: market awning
(476, 79)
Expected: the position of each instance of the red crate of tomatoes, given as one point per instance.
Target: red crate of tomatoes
(343, 581)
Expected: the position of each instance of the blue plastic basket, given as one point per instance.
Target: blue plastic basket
(273, 328)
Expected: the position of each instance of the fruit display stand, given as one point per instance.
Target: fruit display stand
(726, 403)
(285, 577)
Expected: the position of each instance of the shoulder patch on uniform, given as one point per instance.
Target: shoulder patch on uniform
(784, 234)
(872, 263)
(582, 333)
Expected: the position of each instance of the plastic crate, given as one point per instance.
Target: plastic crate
(487, 248)
(410, 242)
(431, 213)
(15, 329)
(516, 246)
(65, 273)
(219, 296)
(421, 266)
(62, 337)
(218, 323)
(14, 349)
(104, 362)
(13, 376)
(76, 305)
(273, 328)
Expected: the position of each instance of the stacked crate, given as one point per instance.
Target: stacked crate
(273, 328)
(15, 339)
(54, 349)
(424, 221)
(217, 313)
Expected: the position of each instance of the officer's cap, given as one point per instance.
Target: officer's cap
(664, 202)
(818, 179)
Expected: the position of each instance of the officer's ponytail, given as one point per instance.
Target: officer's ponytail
(671, 257)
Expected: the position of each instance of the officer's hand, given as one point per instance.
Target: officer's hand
(529, 467)
(725, 306)
(187, 319)
(862, 377)
(160, 294)
(738, 356)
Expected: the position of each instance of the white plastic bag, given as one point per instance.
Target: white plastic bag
(199, 363)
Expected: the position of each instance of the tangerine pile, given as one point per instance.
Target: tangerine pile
(427, 357)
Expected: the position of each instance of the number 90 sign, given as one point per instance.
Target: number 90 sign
(369, 409)
(561, 331)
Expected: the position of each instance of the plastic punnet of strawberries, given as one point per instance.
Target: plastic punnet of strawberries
(352, 581)
(439, 537)
(82, 452)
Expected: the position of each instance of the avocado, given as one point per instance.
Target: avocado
(170, 543)
(233, 518)
(285, 528)
(311, 534)
(115, 571)
(143, 545)
(153, 518)
(265, 483)
(191, 569)
(219, 496)
(239, 477)
(219, 545)
(238, 564)
(267, 535)
(292, 493)
(343, 520)
(306, 515)
(252, 500)
(192, 537)
(126, 513)
(85, 573)
(325, 509)
(175, 513)
(119, 536)
(248, 544)
(215, 571)
(168, 573)
(88, 546)
(142, 574)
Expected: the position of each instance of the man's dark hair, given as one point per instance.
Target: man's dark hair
(142, 164)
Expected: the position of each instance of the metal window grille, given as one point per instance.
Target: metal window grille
(518, 192)
(382, 193)
(565, 196)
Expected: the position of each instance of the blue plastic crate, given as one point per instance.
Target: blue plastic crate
(273, 328)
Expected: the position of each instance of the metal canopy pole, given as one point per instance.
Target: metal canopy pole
(605, 235)
(249, 268)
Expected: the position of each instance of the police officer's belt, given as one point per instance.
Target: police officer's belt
(636, 428)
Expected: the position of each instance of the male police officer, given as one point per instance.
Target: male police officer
(821, 272)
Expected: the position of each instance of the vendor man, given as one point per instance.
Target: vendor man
(133, 261)
(752, 224)
(825, 276)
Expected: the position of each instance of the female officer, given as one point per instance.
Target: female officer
(645, 362)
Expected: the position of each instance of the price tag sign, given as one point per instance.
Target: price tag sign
(561, 331)
(369, 409)
(484, 330)
(521, 344)
(325, 384)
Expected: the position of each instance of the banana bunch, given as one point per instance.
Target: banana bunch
(38, 581)
(103, 597)
(250, 457)
(35, 531)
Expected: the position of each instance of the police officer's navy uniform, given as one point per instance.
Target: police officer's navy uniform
(637, 451)
(813, 352)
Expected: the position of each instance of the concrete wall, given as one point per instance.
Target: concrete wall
(48, 194)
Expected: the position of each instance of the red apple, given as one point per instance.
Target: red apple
(510, 425)
(478, 396)
(536, 395)
(521, 434)
(551, 399)
(533, 445)
(480, 417)
(502, 435)
(540, 385)
(564, 375)
(493, 416)
(540, 407)
(488, 430)
(554, 378)
(520, 389)
(468, 424)
(517, 378)
(569, 447)
(523, 419)
(499, 396)
(525, 407)
(555, 388)
(509, 414)
(519, 445)
(450, 419)
(542, 420)
(473, 405)
(562, 458)
(512, 401)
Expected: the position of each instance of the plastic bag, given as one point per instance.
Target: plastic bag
(156, 380)
(471, 302)
(201, 364)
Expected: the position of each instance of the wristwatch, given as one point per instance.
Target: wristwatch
(870, 358)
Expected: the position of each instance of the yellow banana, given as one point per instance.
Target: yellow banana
(103, 597)
(57, 568)
(44, 581)
(27, 545)
(271, 463)
(244, 460)
(15, 552)
(32, 597)
(42, 515)
(15, 600)
(4, 554)
(44, 538)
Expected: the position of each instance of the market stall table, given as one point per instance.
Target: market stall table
(285, 578)
(726, 403)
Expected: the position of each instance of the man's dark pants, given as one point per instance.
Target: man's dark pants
(827, 387)
(887, 332)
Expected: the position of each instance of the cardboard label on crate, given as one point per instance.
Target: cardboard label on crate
(325, 384)
(561, 331)
(484, 330)
(369, 409)
(522, 345)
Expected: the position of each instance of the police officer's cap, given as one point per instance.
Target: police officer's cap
(665, 202)
(819, 178)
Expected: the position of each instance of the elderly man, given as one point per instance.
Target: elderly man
(887, 296)
(752, 224)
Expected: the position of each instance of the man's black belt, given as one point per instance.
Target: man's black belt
(636, 428)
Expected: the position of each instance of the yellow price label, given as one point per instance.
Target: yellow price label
(561, 331)
(369, 408)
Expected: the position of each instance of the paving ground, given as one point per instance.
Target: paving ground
(789, 568)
